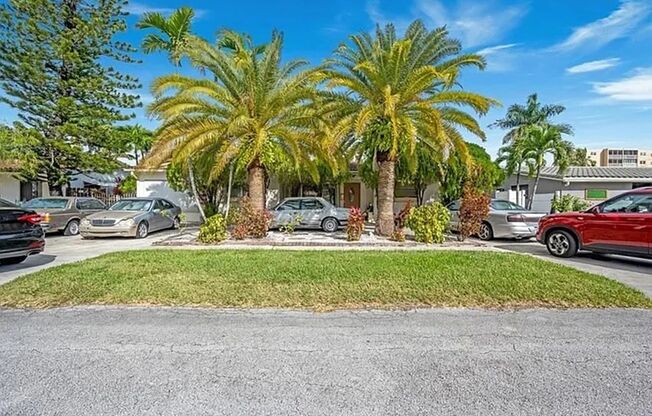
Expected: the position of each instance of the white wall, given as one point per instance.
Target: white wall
(9, 187)
(154, 184)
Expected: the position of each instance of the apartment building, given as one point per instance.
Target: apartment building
(626, 158)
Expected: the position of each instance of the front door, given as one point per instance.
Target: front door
(351, 195)
(622, 225)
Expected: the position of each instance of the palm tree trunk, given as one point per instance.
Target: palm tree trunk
(193, 188)
(518, 186)
(256, 184)
(534, 189)
(385, 215)
(228, 191)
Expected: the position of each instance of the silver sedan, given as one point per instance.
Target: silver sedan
(312, 212)
(132, 217)
(506, 220)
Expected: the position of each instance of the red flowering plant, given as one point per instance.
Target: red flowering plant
(399, 223)
(355, 225)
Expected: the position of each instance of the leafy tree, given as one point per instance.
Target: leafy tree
(253, 111)
(137, 141)
(172, 33)
(17, 151)
(424, 173)
(579, 157)
(539, 141)
(513, 158)
(477, 169)
(54, 71)
(391, 95)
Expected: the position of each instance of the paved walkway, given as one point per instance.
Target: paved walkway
(132, 361)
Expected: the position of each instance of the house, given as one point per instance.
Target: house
(15, 189)
(353, 193)
(593, 184)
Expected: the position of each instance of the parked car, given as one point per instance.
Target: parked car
(21, 234)
(132, 217)
(620, 225)
(506, 220)
(6, 204)
(64, 213)
(314, 212)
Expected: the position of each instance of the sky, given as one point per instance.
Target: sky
(592, 56)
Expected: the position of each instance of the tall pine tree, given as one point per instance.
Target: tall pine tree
(56, 70)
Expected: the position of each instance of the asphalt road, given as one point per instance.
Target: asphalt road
(131, 361)
(632, 271)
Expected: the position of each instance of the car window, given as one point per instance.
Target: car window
(454, 206)
(166, 204)
(293, 204)
(311, 204)
(96, 204)
(132, 205)
(501, 205)
(47, 203)
(83, 204)
(629, 203)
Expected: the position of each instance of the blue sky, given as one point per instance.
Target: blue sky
(594, 57)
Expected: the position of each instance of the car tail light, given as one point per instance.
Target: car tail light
(515, 218)
(46, 217)
(30, 218)
(37, 244)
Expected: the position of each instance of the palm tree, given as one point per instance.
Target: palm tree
(539, 141)
(513, 156)
(139, 140)
(520, 117)
(173, 32)
(253, 111)
(390, 95)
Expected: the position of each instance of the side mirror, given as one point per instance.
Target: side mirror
(156, 210)
(594, 210)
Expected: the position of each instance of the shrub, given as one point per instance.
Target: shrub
(474, 209)
(355, 225)
(127, 186)
(399, 223)
(398, 235)
(239, 232)
(428, 222)
(290, 226)
(213, 230)
(251, 222)
(568, 203)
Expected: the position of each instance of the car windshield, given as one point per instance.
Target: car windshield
(506, 206)
(47, 203)
(132, 205)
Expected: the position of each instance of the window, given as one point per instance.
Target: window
(165, 204)
(132, 205)
(291, 205)
(96, 204)
(501, 205)
(405, 191)
(630, 203)
(83, 204)
(311, 204)
(51, 203)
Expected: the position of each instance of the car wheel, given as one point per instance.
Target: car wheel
(486, 233)
(330, 225)
(561, 243)
(142, 230)
(176, 223)
(13, 260)
(72, 228)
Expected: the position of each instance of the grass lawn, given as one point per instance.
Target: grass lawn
(319, 280)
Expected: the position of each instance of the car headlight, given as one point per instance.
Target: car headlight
(127, 221)
(85, 221)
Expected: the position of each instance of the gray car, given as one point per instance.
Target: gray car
(64, 213)
(314, 212)
(506, 220)
(132, 217)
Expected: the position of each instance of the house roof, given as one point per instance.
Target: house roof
(598, 174)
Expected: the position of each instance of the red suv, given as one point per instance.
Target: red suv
(621, 225)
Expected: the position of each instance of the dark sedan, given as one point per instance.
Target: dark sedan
(21, 234)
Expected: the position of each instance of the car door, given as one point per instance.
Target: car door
(168, 213)
(620, 225)
(287, 211)
(158, 220)
(311, 212)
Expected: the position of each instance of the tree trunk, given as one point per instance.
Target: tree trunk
(228, 192)
(385, 214)
(518, 186)
(256, 184)
(193, 187)
(534, 188)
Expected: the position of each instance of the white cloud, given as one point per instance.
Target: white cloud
(592, 66)
(635, 88)
(139, 9)
(474, 24)
(492, 50)
(618, 24)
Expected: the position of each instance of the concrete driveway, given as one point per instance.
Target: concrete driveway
(164, 361)
(60, 249)
(628, 270)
